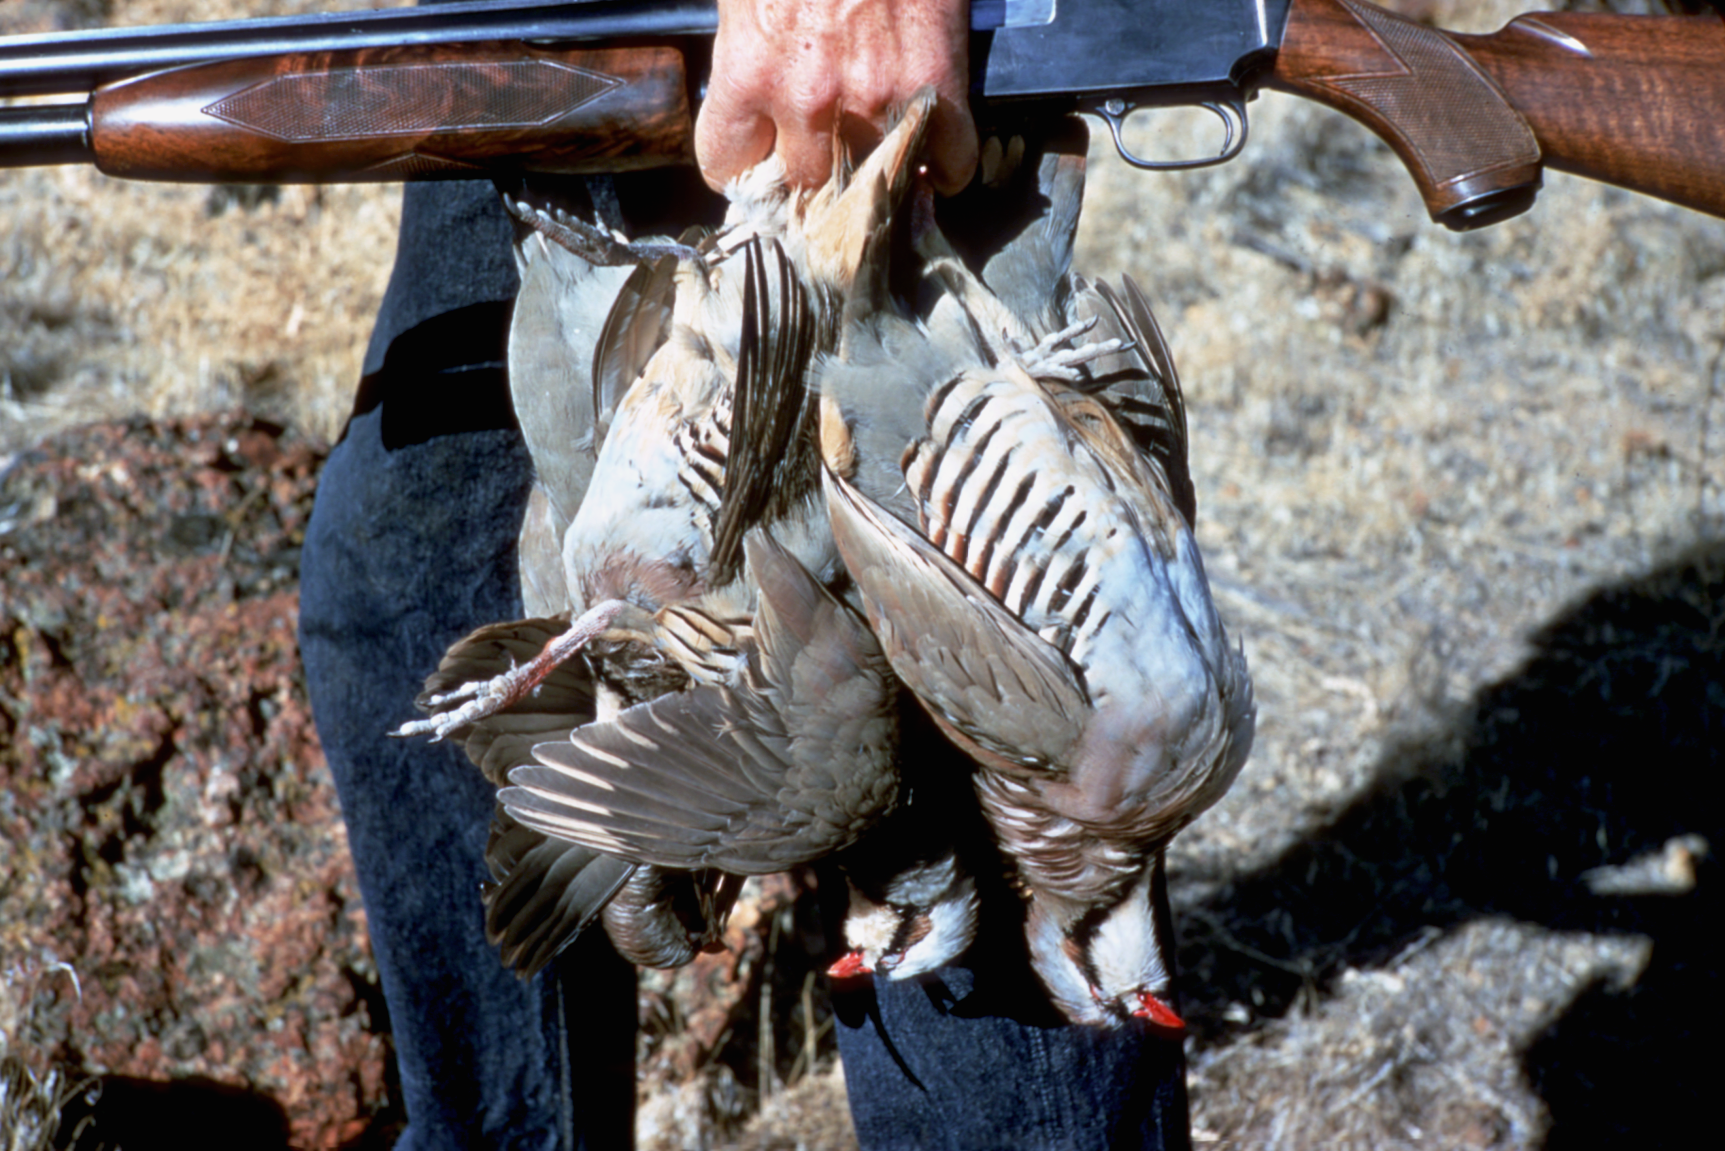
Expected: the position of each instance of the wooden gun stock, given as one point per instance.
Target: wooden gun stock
(400, 113)
(1634, 101)
(1630, 100)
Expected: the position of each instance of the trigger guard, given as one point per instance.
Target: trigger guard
(1232, 115)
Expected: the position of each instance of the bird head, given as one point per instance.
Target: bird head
(830, 232)
(927, 920)
(846, 219)
(1110, 964)
(900, 942)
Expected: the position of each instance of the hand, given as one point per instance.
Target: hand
(789, 74)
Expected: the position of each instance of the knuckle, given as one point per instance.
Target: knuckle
(809, 97)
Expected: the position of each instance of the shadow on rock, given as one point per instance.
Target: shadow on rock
(1579, 795)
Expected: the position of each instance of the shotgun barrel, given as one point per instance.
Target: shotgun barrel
(59, 63)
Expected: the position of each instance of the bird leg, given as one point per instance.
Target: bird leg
(487, 697)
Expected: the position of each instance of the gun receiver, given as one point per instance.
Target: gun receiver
(467, 89)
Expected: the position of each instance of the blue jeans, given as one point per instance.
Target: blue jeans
(411, 546)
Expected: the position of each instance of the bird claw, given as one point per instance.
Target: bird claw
(484, 697)
(415, 727)
(1065, 335)
(465, 691)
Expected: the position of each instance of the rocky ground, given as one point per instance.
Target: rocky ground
(1458, 496)
(180, 911)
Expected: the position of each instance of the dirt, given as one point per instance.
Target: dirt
(1458, 497)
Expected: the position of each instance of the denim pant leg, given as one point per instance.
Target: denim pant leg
(973, 1055)
(408, 550)
(412, 545)
(930, 1067)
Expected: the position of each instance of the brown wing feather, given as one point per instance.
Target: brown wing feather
(770, 463)
(638, 323)
(789, 764)
(1139, 384)
(545, 892)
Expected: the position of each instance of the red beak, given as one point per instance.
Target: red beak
(849, 966)
(1158, 1013)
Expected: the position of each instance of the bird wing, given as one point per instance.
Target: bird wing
(552, 335)
(539, 557)
(639, 321)
(822, 672)
(1138, 384)
(998, 687)
(791, 763)
(770, 462)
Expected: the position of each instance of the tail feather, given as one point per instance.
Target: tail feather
(545, 893)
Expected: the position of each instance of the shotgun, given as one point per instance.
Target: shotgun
(471, 89)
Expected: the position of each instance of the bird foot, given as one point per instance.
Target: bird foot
(593, 242)
(485, 697)
(1049, 359)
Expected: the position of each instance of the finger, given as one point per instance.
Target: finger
(729, 140)
(805, 112)
(807, 154)
(952, 147)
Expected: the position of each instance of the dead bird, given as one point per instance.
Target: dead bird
(787, 758)
(912, 900)
(726, 675)
(667, 500)
(1052, 614)
(1040, 591)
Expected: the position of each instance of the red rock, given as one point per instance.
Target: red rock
(170, 806)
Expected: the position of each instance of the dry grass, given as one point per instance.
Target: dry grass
(120, 298)
(1459, 499)
(34, 1094)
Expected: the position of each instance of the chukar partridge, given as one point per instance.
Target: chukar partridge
(1041, 592)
